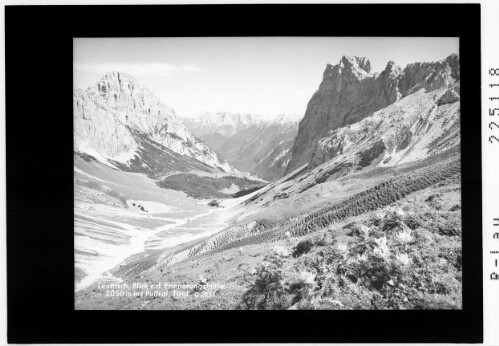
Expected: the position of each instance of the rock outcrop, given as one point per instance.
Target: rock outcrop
(416, 127)
(350, 92)
(114, 118)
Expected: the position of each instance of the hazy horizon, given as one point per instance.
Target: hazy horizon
(267, 76)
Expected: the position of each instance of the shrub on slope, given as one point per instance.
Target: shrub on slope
(391, 259)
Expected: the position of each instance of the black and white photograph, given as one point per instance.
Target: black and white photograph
(250, 172)
(267, 173)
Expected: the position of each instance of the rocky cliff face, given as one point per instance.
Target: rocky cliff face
(350, 92)
(420, 125)
(116, 117)
(248, 142)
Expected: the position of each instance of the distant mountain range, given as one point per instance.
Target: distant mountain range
(248, 142)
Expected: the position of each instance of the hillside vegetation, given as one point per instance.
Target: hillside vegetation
(396, 245)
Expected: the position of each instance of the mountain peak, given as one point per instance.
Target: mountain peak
(284, 118)
(117, 78)
(349, 65)
(350, 61)
(118, 119)
(390, 65)
(114, 84)
(453, 61)
(349, 93)
(392, 69)
(122, 92)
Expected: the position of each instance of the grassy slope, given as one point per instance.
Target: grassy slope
(409, 261)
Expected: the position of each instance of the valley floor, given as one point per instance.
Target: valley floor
(395, 243)
(121, 214)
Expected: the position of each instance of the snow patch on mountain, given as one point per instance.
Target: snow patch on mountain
(281, 155)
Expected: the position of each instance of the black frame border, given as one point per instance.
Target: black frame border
(38, 58)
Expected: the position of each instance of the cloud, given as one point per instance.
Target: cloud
(146, 69)
(193, 68)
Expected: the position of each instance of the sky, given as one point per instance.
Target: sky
(267, 76)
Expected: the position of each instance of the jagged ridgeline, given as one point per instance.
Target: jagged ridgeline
(122, 124)
(391, 117)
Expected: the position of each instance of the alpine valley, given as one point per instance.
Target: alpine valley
(355, 204)
(249, 142)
